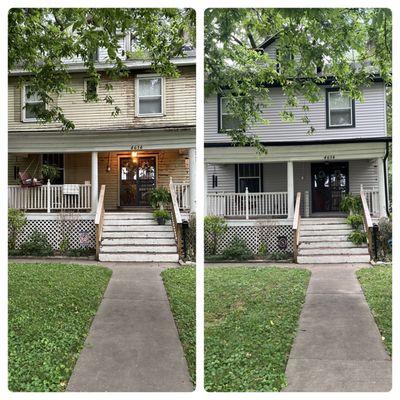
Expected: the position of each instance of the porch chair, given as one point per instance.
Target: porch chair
(28, 181)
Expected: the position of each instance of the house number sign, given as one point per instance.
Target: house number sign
(137, 147)
(329, 157)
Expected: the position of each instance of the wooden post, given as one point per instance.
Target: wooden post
(247, 202)
(192, 179)
(290, 189)
(48, 196)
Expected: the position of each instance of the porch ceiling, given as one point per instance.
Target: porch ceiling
(317, 152)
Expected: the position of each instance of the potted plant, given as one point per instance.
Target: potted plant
(161, 216)
(159, 197)
(50, 172)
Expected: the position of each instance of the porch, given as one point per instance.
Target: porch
(251, 191)
(129, 177)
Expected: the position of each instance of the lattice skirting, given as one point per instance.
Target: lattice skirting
(276, 238)
(79, 231)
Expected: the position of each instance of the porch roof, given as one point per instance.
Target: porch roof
(278, 152)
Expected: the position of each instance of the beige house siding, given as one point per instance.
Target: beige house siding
(31, 163)
(179, 104)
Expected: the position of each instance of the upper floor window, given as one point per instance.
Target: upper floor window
(283, 57)
(32, 105)
(90, 89)
(340, 109)
(149, 96)
(227, 120)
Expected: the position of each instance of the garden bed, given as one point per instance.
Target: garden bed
(51, 307)
(251, 319)
(180, 285)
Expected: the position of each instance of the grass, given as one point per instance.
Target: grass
(51, 307)
(180, 284)
(377, 286)
(251, 318)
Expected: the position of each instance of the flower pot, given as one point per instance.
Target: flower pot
(161, 220)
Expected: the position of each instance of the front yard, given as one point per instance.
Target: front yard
(376, 283)
(251, 318)
(180, 284)
(51, 307)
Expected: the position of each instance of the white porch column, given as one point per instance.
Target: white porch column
(290, 189)
(381, 188)
(192, 179)
(95, 181)
(205, 187)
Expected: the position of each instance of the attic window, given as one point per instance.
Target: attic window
(32, 105)
(284, 56)
(340, 109)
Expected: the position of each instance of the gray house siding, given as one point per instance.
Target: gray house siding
(370, 119)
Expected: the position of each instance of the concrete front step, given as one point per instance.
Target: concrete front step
(333, 259)
(137, 228)
(120, 234)
(319, 243)
(130, 222)
(325, 239)
(139, 257)
(330, 227)
(327, 251)
(322, 221)
(139, 241)
(338, 232)
(125, 216)
(138, 249)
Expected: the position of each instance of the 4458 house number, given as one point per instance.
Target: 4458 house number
(329, 157)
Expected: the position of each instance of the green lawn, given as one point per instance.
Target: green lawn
(180, 284)
(377, 286)
(251, 318)
(51, 307)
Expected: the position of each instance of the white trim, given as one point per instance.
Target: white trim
(149, 76)
(56, 216)
(23, 104)
(128, 155)
(259, 222)
(339, 109)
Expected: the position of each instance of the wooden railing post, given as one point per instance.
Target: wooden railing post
(368, 226)
(296, 227)
(176, 218)
(247, 202)
(99, 220)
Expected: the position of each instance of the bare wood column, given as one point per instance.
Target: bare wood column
(381, 188)
(192, 179)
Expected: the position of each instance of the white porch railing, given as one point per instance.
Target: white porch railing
(49, 197)
(372, 197)
(182, 191)
(247, 204)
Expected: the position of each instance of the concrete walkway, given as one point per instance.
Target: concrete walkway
(133, 344)
(338, 346)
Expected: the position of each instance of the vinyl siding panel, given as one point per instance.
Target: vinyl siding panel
(179, 100)
(226, 178)
(369, 119)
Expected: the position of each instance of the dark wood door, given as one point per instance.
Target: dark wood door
(330, 182)
(137, 180)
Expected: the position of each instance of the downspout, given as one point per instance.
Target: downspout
(385, 177)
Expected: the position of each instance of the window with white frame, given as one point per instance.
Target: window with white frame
(32, 105)
(249, 176)
(227, 120)
(340, 109)
(149, 97)
(90, 89)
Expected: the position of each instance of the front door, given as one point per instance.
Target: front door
(330, 182)
(137, 179)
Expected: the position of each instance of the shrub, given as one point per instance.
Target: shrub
(385, 235)
(16, 221)
(161, 214)
(358, 237)
(214, 228)
(351, 204)
(82, 252)
(37, 245)
(237, 250)
(64, 246)
(159, 197)
(262, 250)
(355, 220)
